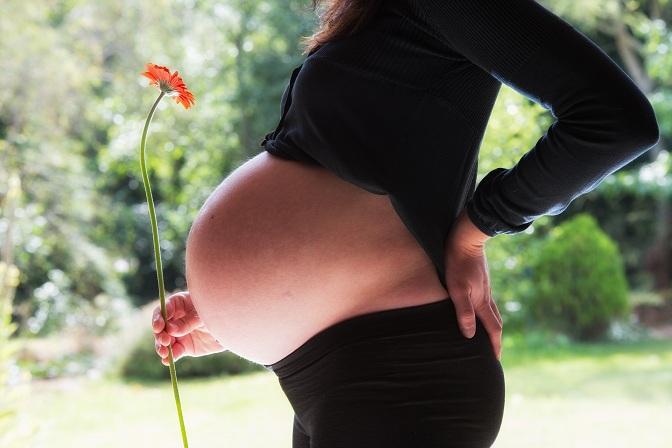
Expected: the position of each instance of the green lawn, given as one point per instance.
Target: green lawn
(602, 395)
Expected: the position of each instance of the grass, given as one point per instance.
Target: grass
(588, 395)
(596, 395)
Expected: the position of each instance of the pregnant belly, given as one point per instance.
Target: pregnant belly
(281, 250)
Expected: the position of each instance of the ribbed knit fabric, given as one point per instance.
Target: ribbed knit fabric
(400, 108)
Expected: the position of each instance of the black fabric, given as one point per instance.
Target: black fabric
(403, 377)
(400, 108)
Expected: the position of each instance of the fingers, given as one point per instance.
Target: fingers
(164, 339)
(465, 313)
(467, 308)
(181, 316)
(495, 310)
(492, 323)
(183, 325)
(158, 323)
(178, 352)
(161, 343)
(469, 288)
(161, 349)
(157, 320)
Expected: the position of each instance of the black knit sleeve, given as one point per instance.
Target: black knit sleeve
(603, 121)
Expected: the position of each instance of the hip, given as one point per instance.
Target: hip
(396, 378)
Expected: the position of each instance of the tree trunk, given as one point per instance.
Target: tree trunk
(659, 255)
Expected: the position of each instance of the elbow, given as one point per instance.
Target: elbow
(639, 124)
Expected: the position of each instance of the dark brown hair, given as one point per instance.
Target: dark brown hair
(340, 18)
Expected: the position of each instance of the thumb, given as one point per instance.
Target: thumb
(465, 314)
(182, 315)
(184, 325)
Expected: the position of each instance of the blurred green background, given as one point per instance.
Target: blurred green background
(586, 296)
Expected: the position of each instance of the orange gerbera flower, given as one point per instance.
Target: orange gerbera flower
(171, 85)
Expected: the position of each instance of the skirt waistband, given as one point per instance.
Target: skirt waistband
(433, 316)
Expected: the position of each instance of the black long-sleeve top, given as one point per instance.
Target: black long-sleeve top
(400, 108)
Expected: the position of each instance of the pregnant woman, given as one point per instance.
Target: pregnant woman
(348, 256)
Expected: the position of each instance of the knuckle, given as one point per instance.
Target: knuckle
(467, 318)
(469, 323)
(483, 305)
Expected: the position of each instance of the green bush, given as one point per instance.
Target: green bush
(579, 280)
(142, 362)
(71, 364)
(510, 276)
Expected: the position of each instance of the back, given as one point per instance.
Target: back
(379, 110)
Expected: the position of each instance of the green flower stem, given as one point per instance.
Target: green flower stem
(159, 269)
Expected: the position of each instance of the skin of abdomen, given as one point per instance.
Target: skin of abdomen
(281, 250)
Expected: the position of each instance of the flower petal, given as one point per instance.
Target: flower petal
(171, 84)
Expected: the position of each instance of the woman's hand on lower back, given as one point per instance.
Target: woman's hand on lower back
(469, 282)
(184, 330)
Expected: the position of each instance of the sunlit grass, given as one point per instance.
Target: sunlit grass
(588, 395)
(248, 411)
(598, 395)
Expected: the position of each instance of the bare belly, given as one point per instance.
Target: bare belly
(281, 250)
